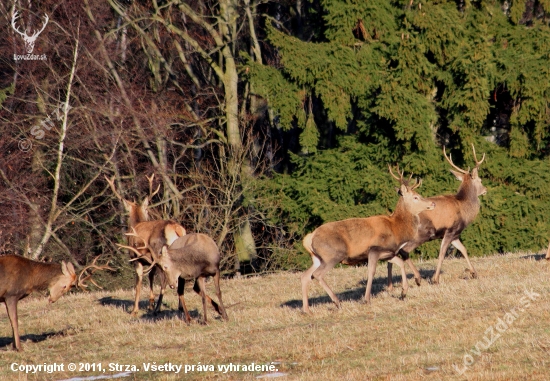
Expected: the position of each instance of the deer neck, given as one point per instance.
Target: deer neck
(469, 200)
(45, 274)
(406, 222)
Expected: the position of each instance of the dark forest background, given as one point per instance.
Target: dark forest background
(263, 119)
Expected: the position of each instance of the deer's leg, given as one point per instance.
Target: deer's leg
(197, 289)
(405, 285)
(306, 280)
(404, 253)
(139, 279)
(373, 259)
(219, 295)
(11, 307)
(151, 277)
(390, 280)
(163, 284)
(442, 250)
(548, 252)
(417, 277)
(319, 275)
(200, 282)
(460, 247)
(182, 306)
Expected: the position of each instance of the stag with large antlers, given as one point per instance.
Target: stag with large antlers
(193, 256)
(358, 240)
(29, 40)
(156, 234)
(453, 214)
(20, 276)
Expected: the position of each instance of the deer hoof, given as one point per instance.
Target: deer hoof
(473, 274)
(418, 280)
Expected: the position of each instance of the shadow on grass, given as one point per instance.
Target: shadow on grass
(536, 257)
(165, 312)
(34, 338)
(357, 294)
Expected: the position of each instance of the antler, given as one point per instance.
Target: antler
(418, 182)
(400, 178)
(139, 254)
(453, 164)
(81, 281)
(150, 180)
(478, 163)
(111, 183)
(14, 17)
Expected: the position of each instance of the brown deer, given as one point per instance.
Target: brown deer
(453, 214)
(20, 276)
(359, 240)
(156, 233)
(193, 256)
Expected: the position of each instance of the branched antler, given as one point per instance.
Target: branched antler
(81, 282)
(140, 255)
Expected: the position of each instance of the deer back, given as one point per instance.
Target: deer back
(20, 276)
(190, 256)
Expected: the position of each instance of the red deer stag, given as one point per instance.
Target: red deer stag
(20, 276)
(157, 233)
(193, 256)
(453, 214)
(359, 240)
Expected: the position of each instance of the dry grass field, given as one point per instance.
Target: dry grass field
(430, 335)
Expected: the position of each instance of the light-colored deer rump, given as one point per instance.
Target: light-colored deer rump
(360, 240)
(194, 256)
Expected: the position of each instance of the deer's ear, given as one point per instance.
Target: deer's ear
(70, 267)
(145, 202)
(474, 173)
(64, 269)
(164, 250)
(458, 175)
(398, 191)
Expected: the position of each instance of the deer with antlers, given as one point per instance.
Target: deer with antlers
(359, 240)
(453, 214)
(20, 276)
(194, 256)
(29, 40)
(156, 233)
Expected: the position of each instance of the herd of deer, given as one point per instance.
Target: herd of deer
(164, 245)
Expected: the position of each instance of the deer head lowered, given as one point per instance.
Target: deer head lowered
(358, 240)
(20, 276)
(29, 40)
(154, 233)
(194, 256)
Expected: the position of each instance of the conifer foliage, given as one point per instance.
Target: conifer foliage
(397, 81)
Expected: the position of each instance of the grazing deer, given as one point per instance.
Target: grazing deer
(156, 233)
(193, 256)
(358, 240)
(20, 276)
(453, 214)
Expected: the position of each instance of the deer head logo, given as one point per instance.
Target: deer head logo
(29, 40)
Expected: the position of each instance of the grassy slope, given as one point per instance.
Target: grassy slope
(419, 338)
